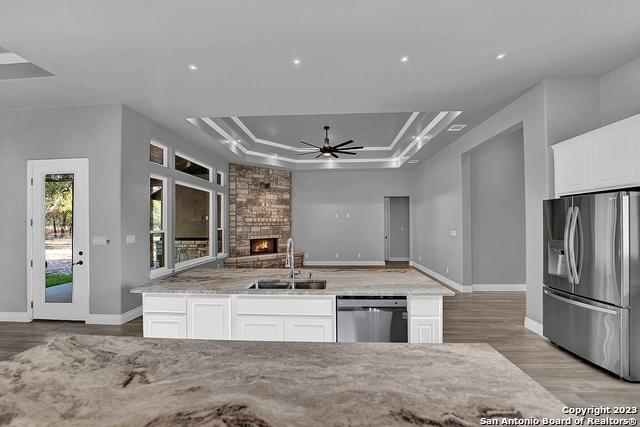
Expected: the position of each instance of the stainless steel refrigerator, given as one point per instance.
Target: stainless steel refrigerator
(591, 293)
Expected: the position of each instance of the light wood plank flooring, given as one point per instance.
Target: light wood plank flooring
(493, 317)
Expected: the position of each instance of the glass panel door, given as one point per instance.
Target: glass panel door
(58, 205)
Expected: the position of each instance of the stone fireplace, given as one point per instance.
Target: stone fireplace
(259, 217)
(263, 246)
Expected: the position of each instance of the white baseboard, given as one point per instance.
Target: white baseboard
(343, 263)
(499, 287)
(455, 285)
(398, 259)
(14, 316)
(533, 326)
(114, 319)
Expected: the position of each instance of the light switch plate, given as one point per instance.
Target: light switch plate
(131, 238)
(453, 233)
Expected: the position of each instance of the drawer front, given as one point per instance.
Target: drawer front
(164, 303)
(425, 306)
(293, 305)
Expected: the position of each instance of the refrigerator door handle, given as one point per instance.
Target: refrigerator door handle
(577, 267)
(580, 304)
(567, 249)
(572, 246)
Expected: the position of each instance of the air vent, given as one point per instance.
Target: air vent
(456, 128)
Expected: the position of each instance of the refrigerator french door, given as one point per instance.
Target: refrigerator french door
(591, 275)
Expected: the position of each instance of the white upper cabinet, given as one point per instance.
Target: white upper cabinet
(603, 159)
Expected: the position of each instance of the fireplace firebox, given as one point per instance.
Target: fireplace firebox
(264, 246)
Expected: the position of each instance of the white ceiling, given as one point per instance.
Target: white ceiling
(138, 52)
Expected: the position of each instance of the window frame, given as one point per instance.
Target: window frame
(191, 159)
(223, 223)
(161, 271)
(202, 260)
(221, 174)
(165, 153)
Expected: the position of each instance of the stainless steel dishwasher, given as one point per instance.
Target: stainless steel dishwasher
(371, 319)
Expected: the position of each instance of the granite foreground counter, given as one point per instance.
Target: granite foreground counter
(117, 381)
(340, 281)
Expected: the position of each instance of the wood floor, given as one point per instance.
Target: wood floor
(493, 317)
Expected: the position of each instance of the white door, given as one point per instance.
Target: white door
(209, 317)
(307, 328)
(58, 238)
(260, 328)
(387, 227)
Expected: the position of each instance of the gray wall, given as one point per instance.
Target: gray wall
(317, 197)
(497, 210)
(91, 132)
(620, 93)
(137, 131)
(437, 194)
(399, 230)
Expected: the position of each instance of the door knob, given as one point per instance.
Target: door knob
(78, 263)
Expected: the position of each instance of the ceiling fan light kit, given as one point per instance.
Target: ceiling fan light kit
(327, 150)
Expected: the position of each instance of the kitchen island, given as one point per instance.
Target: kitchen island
(207, 303)
(117, 381)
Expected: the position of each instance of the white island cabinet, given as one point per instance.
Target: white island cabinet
(246, 317)
(603, 159)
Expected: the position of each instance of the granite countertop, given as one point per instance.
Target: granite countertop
(120, 381)
(340, 281)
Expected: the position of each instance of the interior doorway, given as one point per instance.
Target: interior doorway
(396, 229)
(58, 233)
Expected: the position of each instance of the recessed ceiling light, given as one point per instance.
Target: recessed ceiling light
(193, 67)
(296, 61)
(500, 56)
(404, 59)
(413, 161)
(274, 154)
(456, 128)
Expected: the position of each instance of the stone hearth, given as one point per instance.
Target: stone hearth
(259, 208)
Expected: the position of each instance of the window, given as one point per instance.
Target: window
(192, 225)
(219, 178)
(187, 165)
(219, 223)
(157, 222)
(157, 153)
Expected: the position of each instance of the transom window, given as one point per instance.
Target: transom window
(157, 153)
(192, 167)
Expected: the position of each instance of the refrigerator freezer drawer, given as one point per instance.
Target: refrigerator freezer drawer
(590, 330)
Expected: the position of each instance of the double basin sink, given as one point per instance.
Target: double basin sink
(289, 284)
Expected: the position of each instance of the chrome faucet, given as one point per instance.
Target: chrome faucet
(290, 260)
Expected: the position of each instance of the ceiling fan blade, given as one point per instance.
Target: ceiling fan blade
(349, 148)
(334, 155)
(345, 152)
(318, 155)
(344, 143)
(308, 152)
(314, 146)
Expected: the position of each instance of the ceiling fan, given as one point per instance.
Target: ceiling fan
(327, 150)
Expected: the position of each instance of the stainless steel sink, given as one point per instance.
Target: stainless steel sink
(270, 284)
(285, 284)
(310, 284)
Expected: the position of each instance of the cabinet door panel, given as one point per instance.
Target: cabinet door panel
(615, 160)
(259, 328)
(573, 168)
(312, 329)
(426, 330)
(209, 317)
(165, 325)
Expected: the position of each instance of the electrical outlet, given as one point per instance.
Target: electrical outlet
(348, 215)
(453, 233)
(131, 239)
(446, 269)
(420, 258)
(335, 215)
(306, 255)
(337, 255)
(359, 255)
